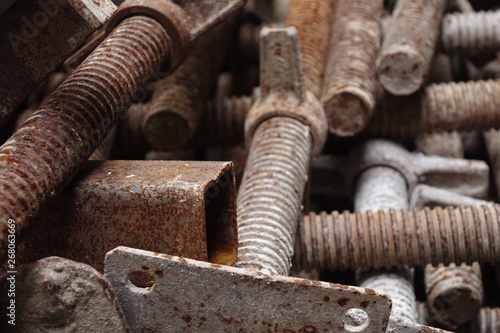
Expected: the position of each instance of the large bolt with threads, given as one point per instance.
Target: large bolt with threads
(454, 293)
(381, 188)
(408, 47)
(44, 154)
(287, 128)
(399, 238)
(313, 19)
(177, 104)
(463, 106)
(471, 33)
(349, 89)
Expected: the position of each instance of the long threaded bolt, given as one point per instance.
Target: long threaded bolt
(471, 33)
(271, 194)
(407, 50)
(399, 238)
(383, 188)
(350, 82)
(463, 106)
(44, 154)
(454, 293)
(175, 109)
(313, 20)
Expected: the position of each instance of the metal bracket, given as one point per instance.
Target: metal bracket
(172, 294)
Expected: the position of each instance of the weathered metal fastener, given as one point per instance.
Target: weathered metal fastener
(104, 150)
(313, 19)
(373, 240)
(407, 50)
(454, 293)
(175, 110)
(60, 295)
(37, 37)
(460, 106)
(289, 128)
(349, 90)
(184, 295)
(177, 207)
(471, 33)
(45, 153)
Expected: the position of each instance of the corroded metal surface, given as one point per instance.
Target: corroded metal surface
(349, 91)
(59, 295)
(176, 207)
(39, 36)
(430, 196)
(406, 54)
(398, 325)
(187, 295)
(399, 238)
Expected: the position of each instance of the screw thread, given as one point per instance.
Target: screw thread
(462, 106)
(487, 321)
(313, 20)
(175, 109)
(399, 238)
(454, 293)
(471, 33)
(44, 154)
(270, 195)
(350, 80)
(407, 50)
(224, 121)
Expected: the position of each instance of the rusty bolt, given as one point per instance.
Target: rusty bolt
(349, 89)
(175, 109)
(288, 127)
(398, 238)
(460, 106)
(104, 149)
(407, 50)
(313, 20)
(471, 33)
(44, 154)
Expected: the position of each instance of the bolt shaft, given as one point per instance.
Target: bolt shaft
(399, 238)
(313, 20)
(471, 33)
(44, 154)
(350, 81)
(271, 194)
(175, 109)
(407, 50)
(463, 106)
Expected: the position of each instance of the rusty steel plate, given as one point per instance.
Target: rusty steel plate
(175, 207)
(161, 293)
(37, 36)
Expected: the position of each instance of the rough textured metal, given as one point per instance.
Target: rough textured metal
(104, 150)
(313, 19)
(405, 58)
(487, 321)
(288, 127)
(38, 36)
(468, 177)
(187, 295)
(176, 207)
(446, 144)
(350, 82)
(398, 238)
(383, 188)
(44, 154)
(462, 106)
(471, 33)
(399, 325)
(59, 295)
(430, 196)
(454, 293)
(177, 104)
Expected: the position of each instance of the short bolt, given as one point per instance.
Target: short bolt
(463, 106)
(175, 110)
(471, 33)
(350, 82)
(407, 50)
(399, 238)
